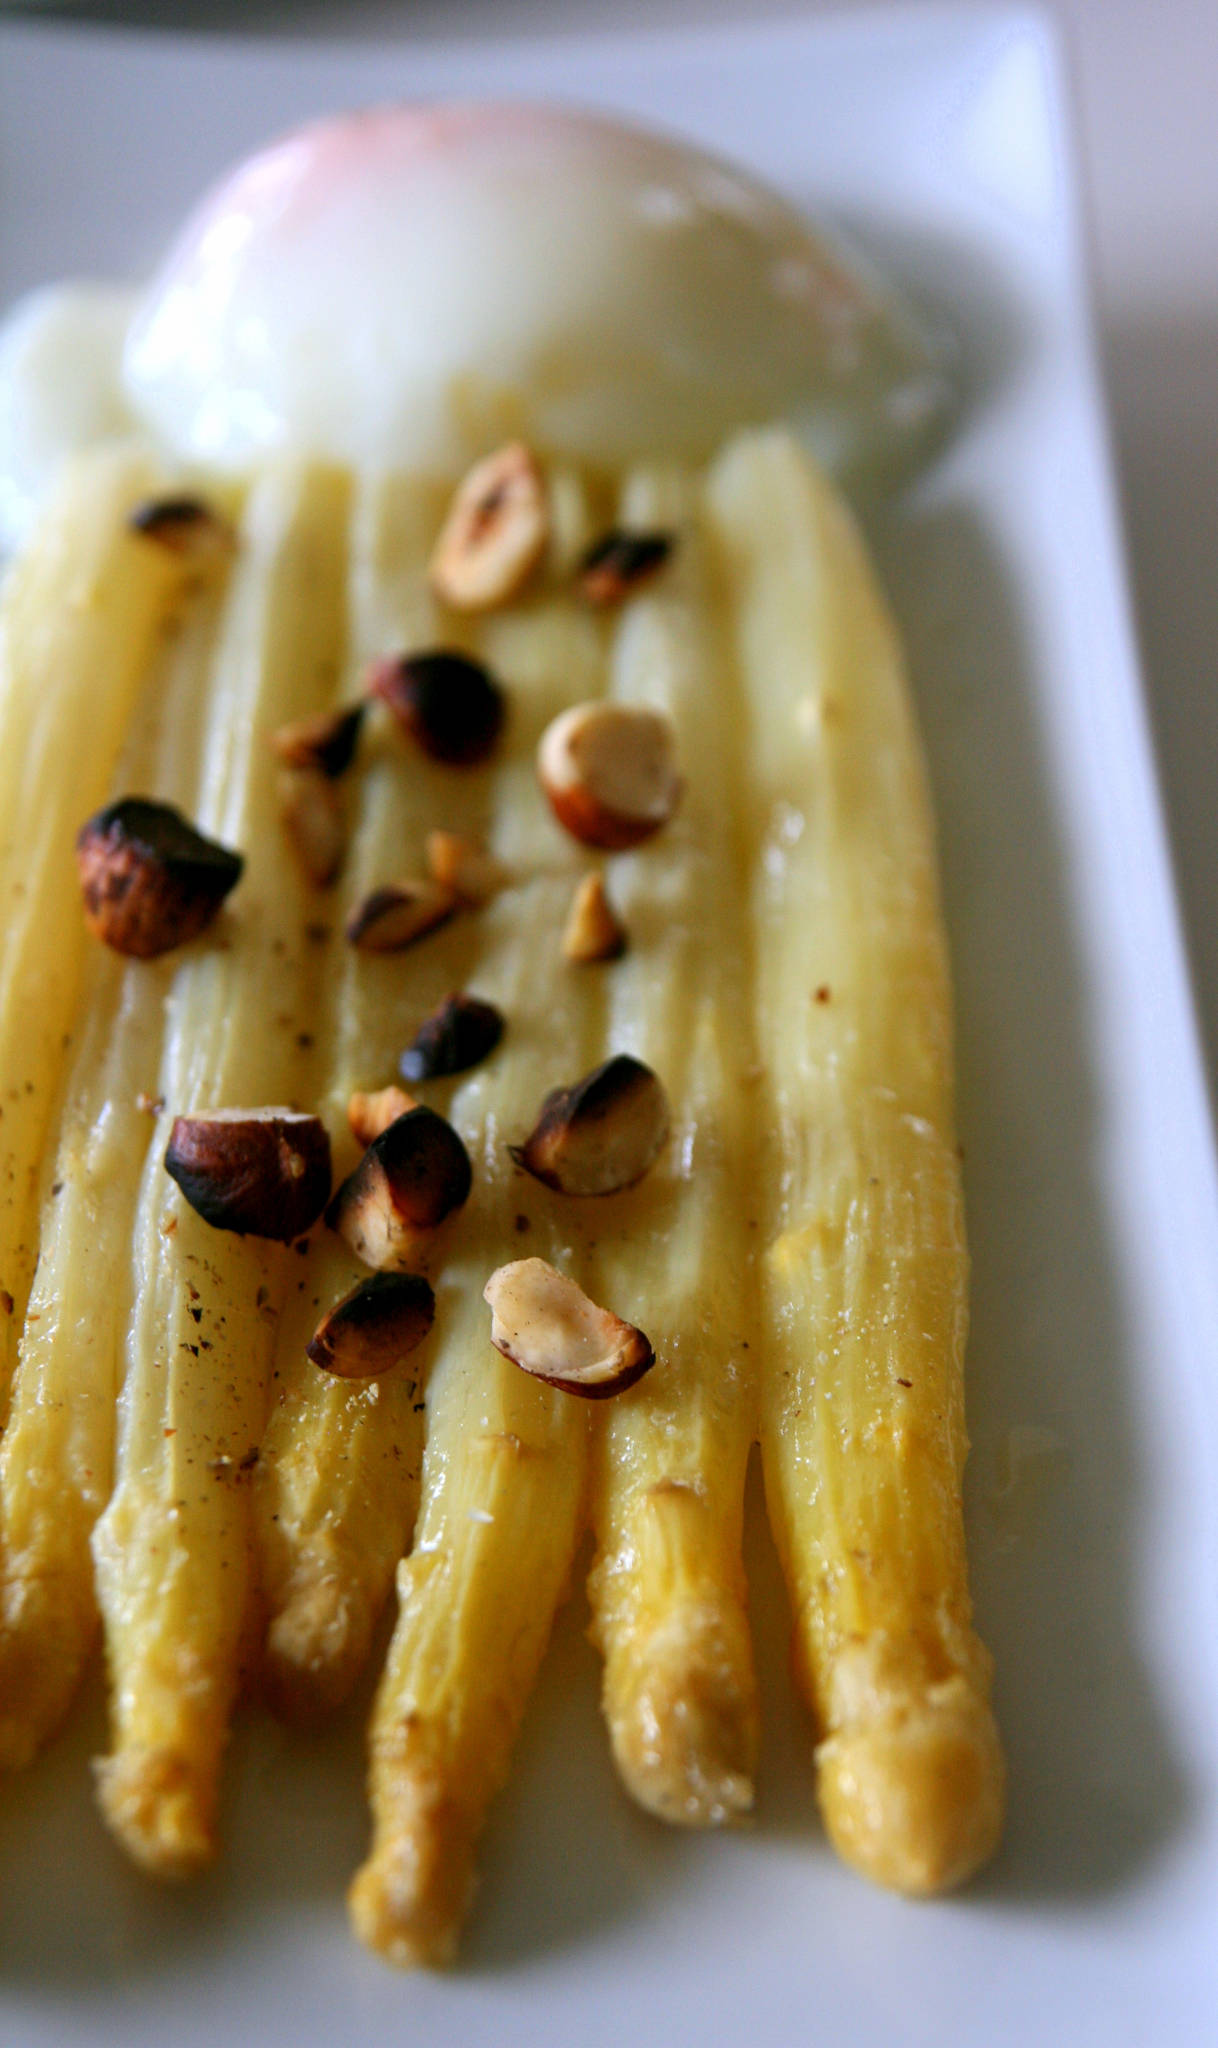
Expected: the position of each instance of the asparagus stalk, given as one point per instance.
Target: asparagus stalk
(864, 1277)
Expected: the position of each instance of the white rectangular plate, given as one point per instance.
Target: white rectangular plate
(942, 137)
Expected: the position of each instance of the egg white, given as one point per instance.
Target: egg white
(411, 284)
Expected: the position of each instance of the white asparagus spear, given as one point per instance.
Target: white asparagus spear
(669, 1458)
(503, 1484)
(81, 614)
(57, 1455)
(865, 1273)
(505, 1465)
(173, 1546)
(337, 1484)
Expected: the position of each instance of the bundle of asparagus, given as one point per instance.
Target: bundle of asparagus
(619, 757)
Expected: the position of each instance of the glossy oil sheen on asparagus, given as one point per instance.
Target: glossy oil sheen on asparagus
(795, 1255)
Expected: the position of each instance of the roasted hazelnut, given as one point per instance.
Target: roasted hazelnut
(410, 1178)
(593, 930)
(609, 772)
(369, 1115)
(149, 880)
(186, 527)
(394, 916)
(456, 1036)
(448, 704)
(311, 812)
(326, 741)
(495, 532)
(548, 1327)
(371, 1329)
(616, 565)
(601, 1134)
(258, 1172)
(465, 867)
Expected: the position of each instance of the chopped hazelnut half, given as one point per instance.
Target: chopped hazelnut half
(187, 527)
(616, 565)
(326, 741)
(312, 814)
(149, 880)
(593, 930)
(464, 866)
(609, 772)
(547, 1325)
(601, 1134)
(369, 1115)
(395, 916)
(258, 1172)
(411, 1177)
(371, 1329)
(495, 532)
(456, 1036)
(448, 704)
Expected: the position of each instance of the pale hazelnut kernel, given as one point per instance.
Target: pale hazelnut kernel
(464, 866)
(550, 1328)
(311, 812)
(369, 1115)
(593, 930)
(609, 772)
(495, 532)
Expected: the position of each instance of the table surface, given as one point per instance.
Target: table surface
(1146, 78)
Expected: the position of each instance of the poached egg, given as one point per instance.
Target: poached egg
(411, 284)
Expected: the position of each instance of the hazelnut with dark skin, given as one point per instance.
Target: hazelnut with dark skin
(256, 1172)
(325, 740)
(447, 703)
(398, 914)
(409, 1180)
(149, 880)
(601, 1134)
(619, 563)
(374, 1327)
(458, 1035)
(187, 527)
